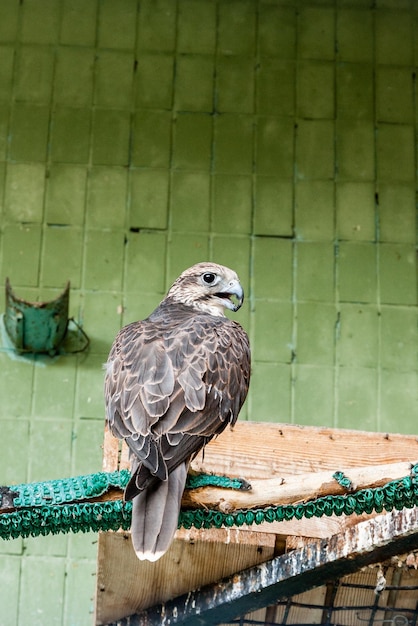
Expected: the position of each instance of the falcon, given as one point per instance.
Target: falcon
(174, 381)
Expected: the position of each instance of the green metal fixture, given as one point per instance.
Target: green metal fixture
(38, 327)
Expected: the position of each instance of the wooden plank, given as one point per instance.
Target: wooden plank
(283, 491)
(316, 527)
(263, 450)
(333, 447)
(260, 450)
(126, 585)
(308, 567)
(111, 452)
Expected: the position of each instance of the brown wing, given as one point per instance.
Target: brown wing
(173, 382)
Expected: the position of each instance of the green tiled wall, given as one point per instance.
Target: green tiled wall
(138, 137)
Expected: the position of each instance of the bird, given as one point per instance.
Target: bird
(173, 381)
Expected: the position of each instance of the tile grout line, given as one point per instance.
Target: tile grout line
(212, 165)
(128, 190)
(173, 134)
(337, 327)
(253, 197)
(377, 234)
(8, 159)
(294, 358)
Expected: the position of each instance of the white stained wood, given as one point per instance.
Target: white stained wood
(316, 563)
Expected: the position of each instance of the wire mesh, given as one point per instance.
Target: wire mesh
(377, 596)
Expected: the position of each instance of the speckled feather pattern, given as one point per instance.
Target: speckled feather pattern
(174, 381)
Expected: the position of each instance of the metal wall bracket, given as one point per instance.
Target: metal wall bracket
(38, 327)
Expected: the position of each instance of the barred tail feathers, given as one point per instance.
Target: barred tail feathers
(155, 513)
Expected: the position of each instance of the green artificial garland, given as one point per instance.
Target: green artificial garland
(61, 506)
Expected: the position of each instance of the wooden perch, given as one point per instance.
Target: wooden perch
(285, 464)
(289, 490)
(275, 491)
(293, 489)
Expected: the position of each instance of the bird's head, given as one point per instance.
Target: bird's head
(208, 287)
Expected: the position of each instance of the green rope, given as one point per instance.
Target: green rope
(397, 494)
(49, 507)
(69, 489)
(194, 481)
(343, 480)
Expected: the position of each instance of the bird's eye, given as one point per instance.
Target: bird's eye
(209, 278)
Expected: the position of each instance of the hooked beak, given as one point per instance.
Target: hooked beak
(232, 290)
